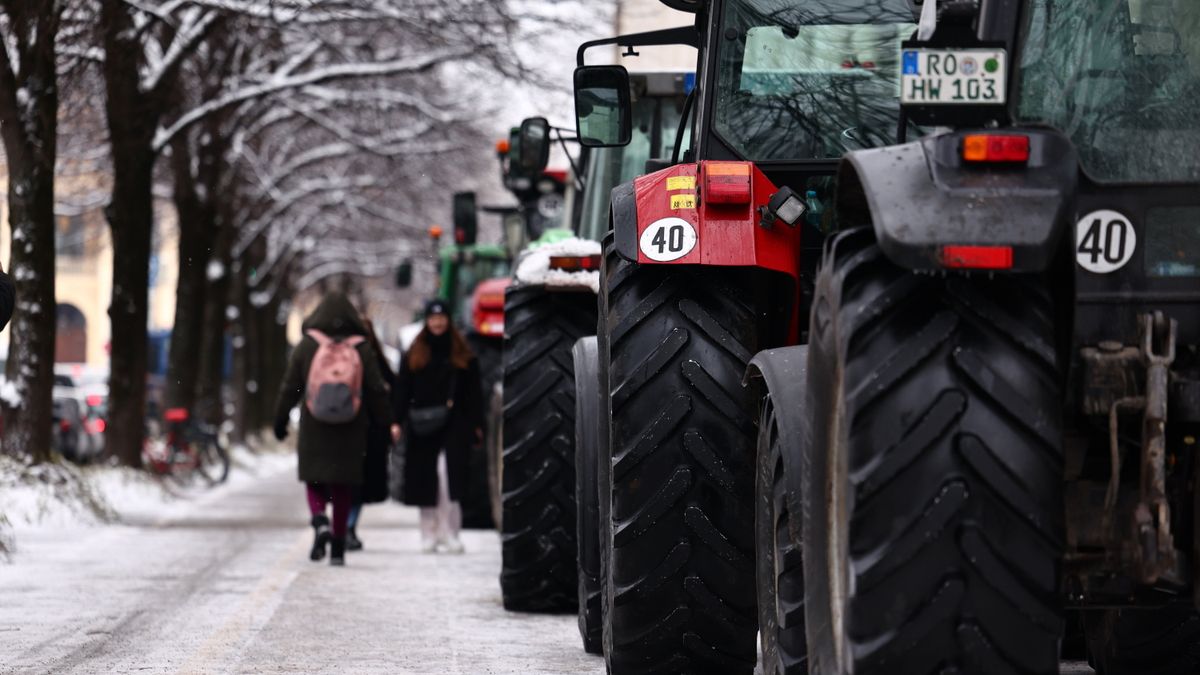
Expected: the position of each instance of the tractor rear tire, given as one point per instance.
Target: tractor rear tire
(494, 443)
(780, 571)
(933, 499)
(587, 502)
(680, 536)
(1145, 642)
(538, 572)
(477, 507)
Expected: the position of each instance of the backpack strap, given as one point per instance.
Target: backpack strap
(321, 338)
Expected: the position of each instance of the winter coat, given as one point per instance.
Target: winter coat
(8, 299)
(430, 386)
(333, 453)
(374, 487)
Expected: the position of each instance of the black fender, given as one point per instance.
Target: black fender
(625, 222)
(921, 196)
(784, 372)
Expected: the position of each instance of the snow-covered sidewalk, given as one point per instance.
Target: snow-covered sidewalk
(219, 582)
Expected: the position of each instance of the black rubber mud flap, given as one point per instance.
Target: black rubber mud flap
(587, 503)
(1162, 641)
(539, 572)
(933, 481)
(777, 510)
(681, 564)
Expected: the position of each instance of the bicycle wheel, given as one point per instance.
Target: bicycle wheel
(212, 462)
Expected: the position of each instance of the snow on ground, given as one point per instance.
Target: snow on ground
(63, 496)
(224, 585)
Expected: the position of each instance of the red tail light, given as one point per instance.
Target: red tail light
(726, 183)
(571, 263)
(491, 300)
(176, 415)
(977, 257)
(64, 425)
(995, 148)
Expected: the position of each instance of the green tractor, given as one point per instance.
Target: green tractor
(551, 304)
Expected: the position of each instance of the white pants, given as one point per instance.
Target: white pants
(444, 521)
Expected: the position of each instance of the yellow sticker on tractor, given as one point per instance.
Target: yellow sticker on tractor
(679, 202)
(681, 183)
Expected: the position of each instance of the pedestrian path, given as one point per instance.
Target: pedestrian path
(227, 588)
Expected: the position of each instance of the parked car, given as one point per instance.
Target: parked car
(70, 436)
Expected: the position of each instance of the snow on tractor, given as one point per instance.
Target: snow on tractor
(551, 304)
(954, 249)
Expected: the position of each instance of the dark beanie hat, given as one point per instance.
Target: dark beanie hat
(436, 306)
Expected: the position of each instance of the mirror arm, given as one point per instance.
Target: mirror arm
(688, 104)
(684, 35)
(570, 160)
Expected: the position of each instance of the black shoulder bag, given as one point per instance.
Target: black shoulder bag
(429, 420)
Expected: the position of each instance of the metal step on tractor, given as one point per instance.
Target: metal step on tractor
(551, 304)
(953, 252)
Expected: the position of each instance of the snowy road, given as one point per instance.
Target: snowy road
(223, 585)
(227, 588)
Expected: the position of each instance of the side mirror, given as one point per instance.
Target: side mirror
(466, 219)
(603, 110)
(534, 146)
(404, 274)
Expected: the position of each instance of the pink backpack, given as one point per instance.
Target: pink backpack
(333, 394)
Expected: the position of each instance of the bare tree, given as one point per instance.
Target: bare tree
(28, 125)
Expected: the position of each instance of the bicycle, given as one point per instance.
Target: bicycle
(186, 449)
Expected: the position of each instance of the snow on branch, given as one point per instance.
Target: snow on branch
(325, 74)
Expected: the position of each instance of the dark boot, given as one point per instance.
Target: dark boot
(321, 537)
(337, 551)
(353, 543)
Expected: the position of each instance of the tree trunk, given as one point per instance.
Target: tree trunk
(242, 353)
(210, 405)
(27, 428)
(196, 231)
(131, 217)
(133, 116)
(29, 127)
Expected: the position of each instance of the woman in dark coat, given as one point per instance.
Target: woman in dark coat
(439, 370)
(374, 488)
(331, 455)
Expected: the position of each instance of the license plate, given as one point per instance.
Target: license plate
(953, 76)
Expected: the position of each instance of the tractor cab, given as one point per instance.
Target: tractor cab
(783, 90)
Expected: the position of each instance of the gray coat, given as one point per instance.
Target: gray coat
(333, 453)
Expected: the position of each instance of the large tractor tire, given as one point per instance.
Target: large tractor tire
(1145, 642)
(933, 480)
(587, 500)
(538, 476)
(680, 537)
(494, 443)
(777, 533)
(476, 506)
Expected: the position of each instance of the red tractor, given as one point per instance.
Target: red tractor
(961, 239)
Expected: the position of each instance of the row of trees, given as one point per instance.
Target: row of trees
(300, 140)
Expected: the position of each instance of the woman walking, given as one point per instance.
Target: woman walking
(439, 403)
(374, 488)
(335, 371)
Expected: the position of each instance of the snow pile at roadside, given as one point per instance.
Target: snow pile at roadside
(534, 267)
(63, 495)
